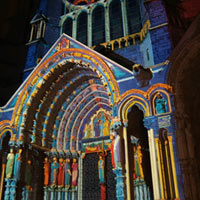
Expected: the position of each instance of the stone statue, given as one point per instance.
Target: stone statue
(10, 164)
(46, 171)
(74, 172)
(101, 165)
(112, 137)
(101, 122)
(68, 173)
(54, 172)
(160, 104)
(61, 173)
(138, 169)
(18, 160)
(117, 151)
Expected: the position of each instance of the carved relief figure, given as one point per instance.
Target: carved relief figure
(112, 137)
(96, 127)
(10, 164)
(106, 126)
(138, 169)
(117, 150)
(18, 160)
(46, 171)
(68, 173)
(54, 172)
(61, 173)
(88, 131)
(101, 123)
(74, 172)
(160, 104)
(101, 165)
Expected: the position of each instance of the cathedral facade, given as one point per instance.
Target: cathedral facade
(95, 117)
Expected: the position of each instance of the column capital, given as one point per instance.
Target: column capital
(125, 122)
(116, 124)
(149, 122)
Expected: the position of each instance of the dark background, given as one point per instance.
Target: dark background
(15, 16)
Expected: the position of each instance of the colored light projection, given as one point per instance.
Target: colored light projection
(98, 126)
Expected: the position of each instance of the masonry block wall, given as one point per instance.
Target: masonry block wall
(159, 30)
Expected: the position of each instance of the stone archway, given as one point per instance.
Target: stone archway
(184, 77)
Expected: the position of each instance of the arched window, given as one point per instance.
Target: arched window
(133, 16)
(115, 14)
(82, 28)
(98, 25)
(67, 26)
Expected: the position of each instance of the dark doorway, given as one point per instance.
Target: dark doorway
(137, 129)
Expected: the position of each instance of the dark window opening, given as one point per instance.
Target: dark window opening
(82, 28)
(116, 27)
(67, 27)
(133, 16)
(98, 26)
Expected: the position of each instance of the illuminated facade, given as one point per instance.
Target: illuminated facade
(83, 126)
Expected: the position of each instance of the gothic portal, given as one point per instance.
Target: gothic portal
(93, 125)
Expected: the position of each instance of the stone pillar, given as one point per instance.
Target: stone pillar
(124, 17)
(120, 178)
(80, 177)
(149, 122)
(154, 165)
(119, 184)
(128, 186)
(46, 193)
(7, 189)
(13, 189)
(107, 24)
(74, 29)
(89, 29)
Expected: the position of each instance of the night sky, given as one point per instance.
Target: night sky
(15, 16)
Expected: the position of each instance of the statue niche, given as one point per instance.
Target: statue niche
(160, 104)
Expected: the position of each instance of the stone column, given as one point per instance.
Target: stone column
(119, 184)
(107, 24)
(74, 30)
(80, 177)
(89, 29)
(7, 190)
(128, 186)
(118, 170)
(149, 122)
(124, 17)
(13, 189)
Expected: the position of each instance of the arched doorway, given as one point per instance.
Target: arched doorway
(138, 147)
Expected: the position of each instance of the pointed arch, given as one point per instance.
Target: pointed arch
(67, 26)
(82, 27)
(98, 25)
(116, 25)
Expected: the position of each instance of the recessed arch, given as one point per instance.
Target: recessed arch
(115, 13)
(68, 26)
(98, 25)
(82, 27)
(130, 101)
